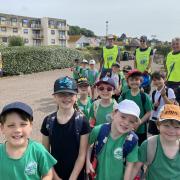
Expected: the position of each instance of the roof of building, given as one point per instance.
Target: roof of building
(74, 38)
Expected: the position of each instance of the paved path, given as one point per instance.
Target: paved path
(34, 89)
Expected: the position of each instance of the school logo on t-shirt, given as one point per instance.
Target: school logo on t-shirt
(118, 154)
(31, 168)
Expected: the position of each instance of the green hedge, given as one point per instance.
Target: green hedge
(18, 60)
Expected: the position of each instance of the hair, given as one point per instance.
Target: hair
(23, 115)
(172, 122)
(157, 75)
(76, 60)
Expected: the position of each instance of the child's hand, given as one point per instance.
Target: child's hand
(89, 168)
(117, 92)
(163, 92)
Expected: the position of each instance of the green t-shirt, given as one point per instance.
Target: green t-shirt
(92, 76)
(103, 114)
(76, 72)
(85, 108)
(35, 163)
(162, 167)
(110, 159)
(125, 86)
(137, 99)
(84, 72)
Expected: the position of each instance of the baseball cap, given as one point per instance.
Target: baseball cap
(106, 80)
(143, 38)
(134, 72)
(116, 65)
(92, 61)
(65, 84)
(169, 112)
(84, 61)
(127, 68)
(110, 36)
(18, 106)
(82, 81)
(129, 107)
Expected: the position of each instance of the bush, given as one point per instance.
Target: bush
(163, 50)
(17, 60)
(16, 41)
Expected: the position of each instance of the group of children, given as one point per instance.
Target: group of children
(103, 138)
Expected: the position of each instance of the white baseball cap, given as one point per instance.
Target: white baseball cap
(92, 61)
(84, 61)
(129, 107)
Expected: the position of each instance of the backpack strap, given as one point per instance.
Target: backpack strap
(78, 125)
(143, 100)
(151, 149)
(153, 96)
(50, 122)
(130, 142)
(102, 137)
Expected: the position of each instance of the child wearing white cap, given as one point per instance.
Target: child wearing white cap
(92, 75)
(115, 144)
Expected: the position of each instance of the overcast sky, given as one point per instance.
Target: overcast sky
(132, 17)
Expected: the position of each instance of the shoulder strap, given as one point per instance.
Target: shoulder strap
(78, 125)
(50, 123)
(130, 142)
(102, 137)
(143, 100)
(153, 96)
(96, 106)
(123, 95)
(151, 149)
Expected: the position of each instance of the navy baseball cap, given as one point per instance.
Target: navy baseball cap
(65, 84)
(18, 106)
(106, 80)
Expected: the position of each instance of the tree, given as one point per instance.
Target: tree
(16, 41)
(76, 30)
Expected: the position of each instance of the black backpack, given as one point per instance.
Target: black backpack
(78, 124)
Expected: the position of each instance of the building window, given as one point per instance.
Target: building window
(52, 41)
(26, 41)
(4, 39)
(2, 19)
(25, 31)
(15, 30)
(52, 32)
(3, 29)
(62, 33)
(25, 23)
(14, 20)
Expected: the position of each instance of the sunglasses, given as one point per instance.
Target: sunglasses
(103, 88)
(142, 41)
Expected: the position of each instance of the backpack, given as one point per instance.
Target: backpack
(130, 142)
(143, 99)
(78, 124)
(151, 149)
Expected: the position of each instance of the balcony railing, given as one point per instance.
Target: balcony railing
(37, 36)
(63, 37)
(35, 26)
(63, 28)
(8, 24)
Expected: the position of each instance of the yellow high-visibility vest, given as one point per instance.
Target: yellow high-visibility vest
(173, 61)
(110, 56)
(142, 59)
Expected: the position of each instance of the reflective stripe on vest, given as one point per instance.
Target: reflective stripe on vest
(110, 56)
(142, 59)
(173, 59)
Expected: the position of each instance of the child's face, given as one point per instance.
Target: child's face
(84, 65)
(16, 130)
(91, 66)
(115, 69)
(158, 82)
(125, 74)
(83, 89)
(134, 82)
(76, 63)
(170, 132)
(105, 91)
(124, 122)
(65, 100)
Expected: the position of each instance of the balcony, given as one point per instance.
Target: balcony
(63, 28)
(63, 37)
(37, 36)
(36, 26)
(8, 24)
